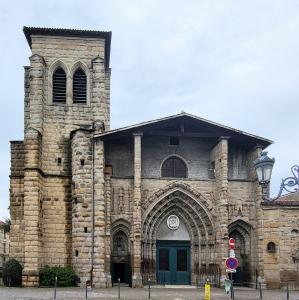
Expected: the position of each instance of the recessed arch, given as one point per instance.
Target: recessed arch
(193, 211)
(188, 196)
(121, 224)
(185, 208)
(120, 251)
(241, 231)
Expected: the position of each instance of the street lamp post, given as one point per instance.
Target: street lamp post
(263, 166)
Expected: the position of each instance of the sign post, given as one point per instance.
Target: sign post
(231, 267)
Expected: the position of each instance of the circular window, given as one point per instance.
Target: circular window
(294, 232)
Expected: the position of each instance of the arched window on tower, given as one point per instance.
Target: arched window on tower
(174, 167)
(59, 86)
(271, 247)
(79, 86)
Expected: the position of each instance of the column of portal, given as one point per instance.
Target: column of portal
(136, 263)
(221, 174)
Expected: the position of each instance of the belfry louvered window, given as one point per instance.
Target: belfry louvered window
(79, 87)
(59, 86)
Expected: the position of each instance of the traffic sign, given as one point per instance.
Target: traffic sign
(231, 263)
(231, 244)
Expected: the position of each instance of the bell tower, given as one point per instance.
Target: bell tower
(67, 88)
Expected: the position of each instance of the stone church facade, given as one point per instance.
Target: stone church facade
(156, 200)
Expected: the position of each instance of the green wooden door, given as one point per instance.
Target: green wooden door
(173, 262)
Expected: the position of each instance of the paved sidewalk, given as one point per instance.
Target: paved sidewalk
(128, 293)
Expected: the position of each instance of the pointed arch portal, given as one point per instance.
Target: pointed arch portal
(241, 232)
(120, 252)
(176, 255)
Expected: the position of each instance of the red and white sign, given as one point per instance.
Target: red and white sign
(231, 244)
(231, 263)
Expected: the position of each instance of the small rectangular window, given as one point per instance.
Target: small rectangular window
(59, 160)
(82, 162)
(174, 141)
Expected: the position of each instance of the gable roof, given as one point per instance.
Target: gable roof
(106, 35)
(206, 127)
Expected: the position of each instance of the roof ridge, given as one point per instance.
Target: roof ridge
(182, 114)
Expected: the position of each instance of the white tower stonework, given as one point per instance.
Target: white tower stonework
(98, 200)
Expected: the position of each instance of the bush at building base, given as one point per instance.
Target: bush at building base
(12, 273)
(65, 276)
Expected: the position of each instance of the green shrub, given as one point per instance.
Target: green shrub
(12, 273)
(65, 276)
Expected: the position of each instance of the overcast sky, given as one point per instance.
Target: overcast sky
(232, 62)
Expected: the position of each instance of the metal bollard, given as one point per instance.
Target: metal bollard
(288, 292)
(118, 288)
(149, 288)
(232, 293)
(55, 287)
(86, 290)
(261, 292)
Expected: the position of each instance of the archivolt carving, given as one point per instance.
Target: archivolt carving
(241, 226)
(120, 225)
(182, 186)
(192, 208)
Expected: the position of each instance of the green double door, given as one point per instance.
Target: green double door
(173, 262)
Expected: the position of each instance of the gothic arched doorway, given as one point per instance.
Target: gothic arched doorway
(241, 232)
(165, 251)
(120, 256)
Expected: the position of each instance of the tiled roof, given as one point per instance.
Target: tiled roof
(291, 199)
(28, 31)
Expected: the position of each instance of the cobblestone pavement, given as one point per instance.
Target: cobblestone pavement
(128, 293)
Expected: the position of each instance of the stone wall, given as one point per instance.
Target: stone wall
(82, 209)
(281, 227)
(56, 221)
(17, 200)
(195, 152)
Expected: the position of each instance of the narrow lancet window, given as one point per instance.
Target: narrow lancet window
(59, 86)
(79, 86)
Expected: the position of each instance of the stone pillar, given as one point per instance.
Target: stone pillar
(99, 276)
(81, 204)
(221, 190)
(26, 97)
(36, 92)
(136, 262)
(100, 97)
(108, 228)
(258, 241)
(32, 207)
(106, 107)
